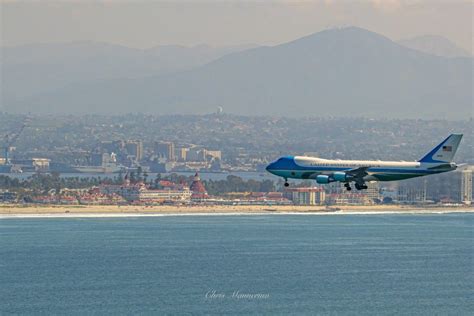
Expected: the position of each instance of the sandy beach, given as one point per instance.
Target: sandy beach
(8, 211)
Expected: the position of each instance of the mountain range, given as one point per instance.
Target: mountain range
(337, 72)
(33, 69)
(435, 45)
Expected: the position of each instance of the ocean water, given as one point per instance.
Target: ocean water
(270, 264)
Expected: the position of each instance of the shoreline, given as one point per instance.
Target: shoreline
(74, 211)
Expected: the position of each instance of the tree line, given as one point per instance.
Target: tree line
(41, 183)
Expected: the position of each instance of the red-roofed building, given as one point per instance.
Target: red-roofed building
(139, 192)
(275, 195)
(197, 188)
(165, 184)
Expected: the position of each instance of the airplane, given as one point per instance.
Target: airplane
(324, 171)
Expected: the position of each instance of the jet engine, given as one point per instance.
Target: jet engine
(341, 176)
(336, 176)
(322, 179)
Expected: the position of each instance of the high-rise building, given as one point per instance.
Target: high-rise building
(213, 154)
(135, 148)
(181, 153)
(165, 150)
(196, 154)
(466, 186)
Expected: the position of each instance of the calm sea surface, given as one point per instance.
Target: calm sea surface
(274, 264)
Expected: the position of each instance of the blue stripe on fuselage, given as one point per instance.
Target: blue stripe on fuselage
(370, 170)
(288, 164)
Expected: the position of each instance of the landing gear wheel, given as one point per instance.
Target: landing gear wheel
(348, 186)
(287, 184)
(361, 186)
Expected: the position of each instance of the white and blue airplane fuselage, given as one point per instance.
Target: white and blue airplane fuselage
(438, 160)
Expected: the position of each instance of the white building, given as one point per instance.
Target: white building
(306, 195)
(140, 193)
(373, 191)
(466, 186)
(213, 154)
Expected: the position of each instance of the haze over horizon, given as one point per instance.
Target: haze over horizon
(181, 57)
(149, 24)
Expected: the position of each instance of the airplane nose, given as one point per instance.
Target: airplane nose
(269, 167)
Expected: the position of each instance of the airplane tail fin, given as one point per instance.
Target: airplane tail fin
(445, 151)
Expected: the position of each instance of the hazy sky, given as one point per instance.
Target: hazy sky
(148, 23)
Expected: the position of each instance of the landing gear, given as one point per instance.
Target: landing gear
(360, 186)
(348, 186)
(286, 183)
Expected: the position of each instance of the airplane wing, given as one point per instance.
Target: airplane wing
(358, 173)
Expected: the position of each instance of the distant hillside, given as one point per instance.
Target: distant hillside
(435, 45)
(38, 68)
(338, 72)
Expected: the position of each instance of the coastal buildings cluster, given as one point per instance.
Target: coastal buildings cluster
(224, 145)
(214, 142)
(163, 191)
(127, 155)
